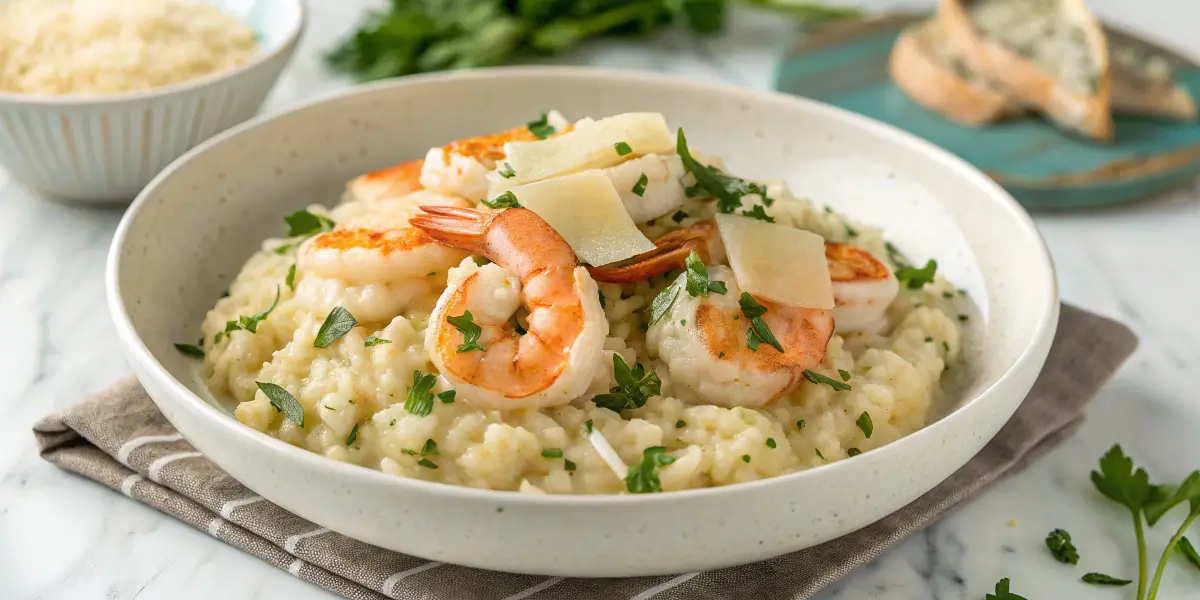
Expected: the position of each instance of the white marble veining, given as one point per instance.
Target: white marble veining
(63, 537)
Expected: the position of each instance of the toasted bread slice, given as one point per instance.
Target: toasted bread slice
(1143, 84)
(936, 77)
(1048, 54)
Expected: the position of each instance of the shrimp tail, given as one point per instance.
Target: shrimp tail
(670, 252)
(464, 228)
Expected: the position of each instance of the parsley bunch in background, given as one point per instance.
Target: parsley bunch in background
(415, 36)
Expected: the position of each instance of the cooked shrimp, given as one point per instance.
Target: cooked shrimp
(661, 193)
(392, 182)
(703, 341)
(863, 288)
(461, 167)
(553, 362)
(670, 251)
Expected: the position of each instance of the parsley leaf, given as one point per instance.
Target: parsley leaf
(679, 216)
(338, 323)
(634, 387)
(303, 224)
(726, 189)
(1002, 592)
(190, 350)
(1188, 551)
(283, 401)
(1059, 543)
(290, 280)
(1188, 491)
(541, 128)
(895, 255)
(568, 465)
(1117, 480)
(447, 397)
(864, 423)
(680, 424)
(1102, 579)
(428, 464)
(552, 453)
(915, 278)
(759, 332)
(465, 324)
(507, 172)
(844, 374)
(639, 188)
(622, 149)
(353, 435)
(771, 443)
(816, 377)
(696, 275)
(853, 451)
(758, 212)
(430, 448)
(505, 200)
(244, 323)
(375, 341)
(642, 478)
(420, 398)
(662, 303)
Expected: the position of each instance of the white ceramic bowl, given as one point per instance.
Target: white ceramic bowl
(107, 148)
(189, 232)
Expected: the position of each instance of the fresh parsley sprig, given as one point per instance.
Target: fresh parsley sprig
(466, 325)
(506, 200)
(696, 278)
(634, 386)
(914, 278)
(250, 323)
(337, 324)
(1119, 481)
(759, 332)
(642, 478)
(420, 394)
(726, 189)
(1002, 592)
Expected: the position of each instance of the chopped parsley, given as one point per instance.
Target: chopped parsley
(853, 452)
(409, 451)
(420, 398)
(745, 458)
(865, 425)
(758, 212)
(696, 279)
(800, 424)
(505, 200)
(759, 332)
(844, 374)
(679, 216)
(948, 295)
(1002, 592)
(622, 149)
(819, 455)
(465, 324)
(190, 350)
(634, 387)
(771, 443)
(338, 323)
(1102, 579)
(895, 255)
(1059, 543)
(283, 402)
(587, 426)
(393, 423)
(726, 189)
(850, 232)
(963, 318)
(430, 448)
(375, 341)
(915, 278)
(552, 453)
(290, 280)
(818, 378)
(428, 464)
(244, 323)
(353, 435)
(642, 478)
(680, 424)
(541, 128)
(507, 172)
(568, 465)
(447, 397)
(639, 188)
(928, 339)
(303, 224)
(661, 304)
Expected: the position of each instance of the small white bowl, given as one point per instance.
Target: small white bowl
(190, 231)
(106, 148)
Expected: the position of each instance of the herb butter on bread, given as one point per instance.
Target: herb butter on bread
(1048, 54)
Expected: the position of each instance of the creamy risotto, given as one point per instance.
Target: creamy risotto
(444, 321)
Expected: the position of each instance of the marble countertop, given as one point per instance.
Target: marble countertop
(64, 537)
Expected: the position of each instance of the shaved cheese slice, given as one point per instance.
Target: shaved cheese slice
(777, 262)
(590, 145)
(586, 210)
(608, 453)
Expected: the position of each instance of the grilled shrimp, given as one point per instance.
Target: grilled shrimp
(863, 288)
(484, 356)
(461, 167)
(703, 340)
(661, 193)
(392, 182)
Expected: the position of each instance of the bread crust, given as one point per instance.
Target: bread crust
(1087, 114)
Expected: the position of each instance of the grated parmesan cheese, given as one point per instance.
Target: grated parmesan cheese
(92, 47)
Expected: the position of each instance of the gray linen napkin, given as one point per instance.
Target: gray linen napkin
(117, 437)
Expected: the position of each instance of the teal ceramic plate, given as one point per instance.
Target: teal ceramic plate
(847, 65)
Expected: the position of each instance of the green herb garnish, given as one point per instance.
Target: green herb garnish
(758, 212)
(634, 387)
(726, 189)
(1188, 551)
(507, 172)
(338, 323)
(642, 478)
(1002, 592)
(759, 332)
(430, 448)
(541, 128)
(679, 216)
(428, 464)
(745, 458)
(696, 278)
(853, 451)
(375, 341)
(420, 398)
(505, 200)
(1102, 579)
(190, 350)
(622, 149)
(353, 435)
(465, 324)
(250, 323)
(587, 426)
(408, 451)
(283, 401)
(680, 424)
(844, 374)
(819, 455)
(1117, 480)
(800, 424)
(771, 443)
(303, 224)
(816, 377)
(915, 278)
(447, 397)
(864, 423)
(639, 188)
(290, 280)
(552, 453)
(662, 304)
(568, 465)
(1059, 543)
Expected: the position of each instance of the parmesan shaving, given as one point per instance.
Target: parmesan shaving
(606, 451)
(777, 262)
(590, 145)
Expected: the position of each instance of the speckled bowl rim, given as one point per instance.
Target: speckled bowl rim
(1047, 317)
(287, 44)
